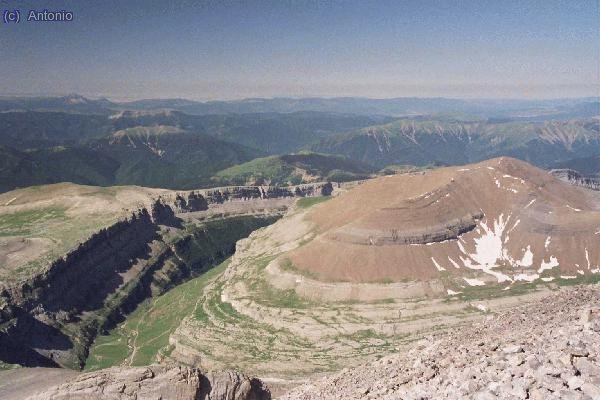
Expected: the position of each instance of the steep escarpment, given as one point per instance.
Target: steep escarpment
(447, 230)
(51, 318)
(190, 203)
(59, 287)
(221, 195)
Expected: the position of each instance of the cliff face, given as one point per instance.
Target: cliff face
(80, 277)
(224, 194)
(193, 202)
(52, 318)
(576, 178)
(448, 230)
(52, 315)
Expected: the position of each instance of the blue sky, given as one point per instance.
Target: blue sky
(235, 49)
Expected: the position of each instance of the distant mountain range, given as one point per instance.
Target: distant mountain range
(402, 106)
(163, 149)
(423, 141)
(270, 133)
(589, 166)
(154, 143)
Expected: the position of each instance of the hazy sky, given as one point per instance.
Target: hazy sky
(234, 49)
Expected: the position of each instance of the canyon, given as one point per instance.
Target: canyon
(288, 285)
(50, 314)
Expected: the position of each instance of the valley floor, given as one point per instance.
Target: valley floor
(241, 315)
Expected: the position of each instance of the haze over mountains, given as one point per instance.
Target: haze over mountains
(192, 235)
(562, 108)
(182, 144)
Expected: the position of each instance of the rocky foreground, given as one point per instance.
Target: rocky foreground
(545, 350)
(164, 382)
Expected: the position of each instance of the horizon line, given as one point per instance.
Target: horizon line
(121, 99)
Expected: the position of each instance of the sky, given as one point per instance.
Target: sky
(209, 50)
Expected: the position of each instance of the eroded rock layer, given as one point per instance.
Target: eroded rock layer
(547, 350)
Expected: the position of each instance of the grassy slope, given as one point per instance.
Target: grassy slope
(293, 169)
(61, 215)
(147, 329)
(307, 202)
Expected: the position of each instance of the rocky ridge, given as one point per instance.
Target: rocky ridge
(548, 349)
(576, 178)
(229, 193)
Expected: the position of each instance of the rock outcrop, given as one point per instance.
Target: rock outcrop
(165, 382)
(576, 178)
(545, 350)
(194, 202)
(163, 214)
(449, 230)
(221, 195)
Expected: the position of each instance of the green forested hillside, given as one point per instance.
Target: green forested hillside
(170, 149)
(292, 169)
(153, 157)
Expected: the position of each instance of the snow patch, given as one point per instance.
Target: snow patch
(573, 208)
(452, 292)
(587, 257)
(481, 307)
(548, 279)
(474, 282)
(438, 266)
(527, 260)
(548, 265)
(454, 263)
(488, 248)
(526, 277)
(530, 203)
(568, 276)
(547, 242)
